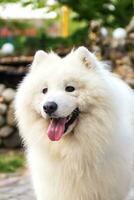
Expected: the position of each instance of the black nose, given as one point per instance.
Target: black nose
(50, 107)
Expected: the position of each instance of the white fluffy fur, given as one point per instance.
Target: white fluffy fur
(94, 160)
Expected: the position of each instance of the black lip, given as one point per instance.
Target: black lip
(74, 114)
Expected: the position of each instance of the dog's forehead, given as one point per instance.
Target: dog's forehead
(56, 69)
(60, 71)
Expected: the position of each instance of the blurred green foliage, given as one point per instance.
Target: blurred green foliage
(28, 45)
(11, 161)
(112, 13)
(7, 1)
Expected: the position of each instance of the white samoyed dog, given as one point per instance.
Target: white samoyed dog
(77, 121)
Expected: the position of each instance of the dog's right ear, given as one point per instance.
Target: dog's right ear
(39, 56)
(86, 57)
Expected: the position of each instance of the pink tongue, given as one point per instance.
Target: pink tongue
(56, 129)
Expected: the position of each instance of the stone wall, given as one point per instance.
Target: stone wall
(116, 51)
(9, 137)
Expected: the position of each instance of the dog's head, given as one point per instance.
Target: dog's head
(61, 90)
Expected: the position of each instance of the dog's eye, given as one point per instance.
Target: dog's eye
(69, 88)
(44, 91)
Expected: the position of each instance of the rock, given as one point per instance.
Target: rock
(12, 141)
(131, 35)
(119, 33)
(126, 60)
(8, 94)
(10, 115)
(2, 87)
(3, 108)
(6, 131)
(2, 120)
(123, 61)
(1, 99)
(95, 25)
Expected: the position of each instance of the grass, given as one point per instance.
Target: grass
(11, 161)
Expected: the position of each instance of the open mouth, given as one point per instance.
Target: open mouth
(58, 126)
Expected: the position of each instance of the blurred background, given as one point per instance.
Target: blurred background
(106, 27)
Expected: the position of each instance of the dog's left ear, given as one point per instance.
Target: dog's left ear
(87, 58)
(39, 56)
